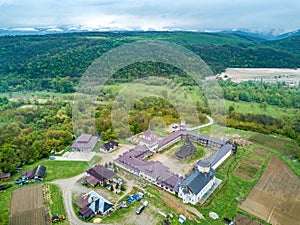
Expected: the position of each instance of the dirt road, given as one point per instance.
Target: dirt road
(211, 121)
(68, 186)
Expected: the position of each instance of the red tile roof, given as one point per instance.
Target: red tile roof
(92, 180)
(170, 138)
(100, 173)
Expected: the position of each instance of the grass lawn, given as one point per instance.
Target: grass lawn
(256, 108)
(219, 131)
(284, 146)
(95, 160)
(55, 170)
(60, 169)
(5, 198)
(223, 201)
(119, 215)
(200, 152)
(57, 204)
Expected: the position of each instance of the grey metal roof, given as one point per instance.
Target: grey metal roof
(216, 157)
(85, 141)
(204, 163)
(39, 171)
(84, 138)
(195, 134)
(204, 137)
(109, 145)
(196, 181)
(5, 175)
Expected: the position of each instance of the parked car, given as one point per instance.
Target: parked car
(181, 219)
(130, 200)
(135, 197)
(141, 195)
(146, 203)
(18, 181)
(23, 182)
(139, 209)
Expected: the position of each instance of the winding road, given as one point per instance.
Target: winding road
(68, 186)
(211, 121)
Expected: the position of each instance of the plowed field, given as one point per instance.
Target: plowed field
(276, 196)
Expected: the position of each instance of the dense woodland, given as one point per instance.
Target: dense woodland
(31, 130)
(56, 62)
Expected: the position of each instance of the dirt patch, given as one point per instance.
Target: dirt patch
(147, 217)
(35, 216)
(27, 198)
(243, 220)
(276, 196)
(180, 208)
(177, 208)
(27, 207)
(271, 75)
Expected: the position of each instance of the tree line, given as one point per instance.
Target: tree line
(262, 92)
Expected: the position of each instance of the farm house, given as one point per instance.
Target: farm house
(92, 203)
(98, 174)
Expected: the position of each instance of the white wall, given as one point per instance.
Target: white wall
(221, 160)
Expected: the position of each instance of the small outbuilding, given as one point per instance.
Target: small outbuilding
(186, 150)
(109, 146)
(38, 173)
(5, 176)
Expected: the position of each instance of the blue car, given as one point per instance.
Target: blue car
(130, 200)
(135, 197)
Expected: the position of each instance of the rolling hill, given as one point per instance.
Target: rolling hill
(57, 61)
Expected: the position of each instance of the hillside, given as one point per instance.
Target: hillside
(57, 61)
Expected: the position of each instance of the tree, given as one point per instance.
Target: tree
(231, 109)
(104, 183)
(111, 187)
(122, 187)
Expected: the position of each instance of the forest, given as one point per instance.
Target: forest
(31, 129)
(56, 62)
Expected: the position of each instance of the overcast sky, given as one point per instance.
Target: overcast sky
(264, 15)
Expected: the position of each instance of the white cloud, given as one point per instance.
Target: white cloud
(188, 14)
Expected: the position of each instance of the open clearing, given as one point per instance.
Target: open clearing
(27, 207)
(250, 166)
(286, 147)
(276, 196)
(243, 220)
(270, 75)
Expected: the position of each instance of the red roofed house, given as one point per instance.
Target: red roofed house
(98, 174)
(84, 142)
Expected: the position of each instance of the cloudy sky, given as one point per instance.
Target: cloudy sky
(259, 15)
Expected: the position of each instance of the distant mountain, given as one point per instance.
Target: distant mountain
(271, 35)
(289, 34)
(250, 35)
